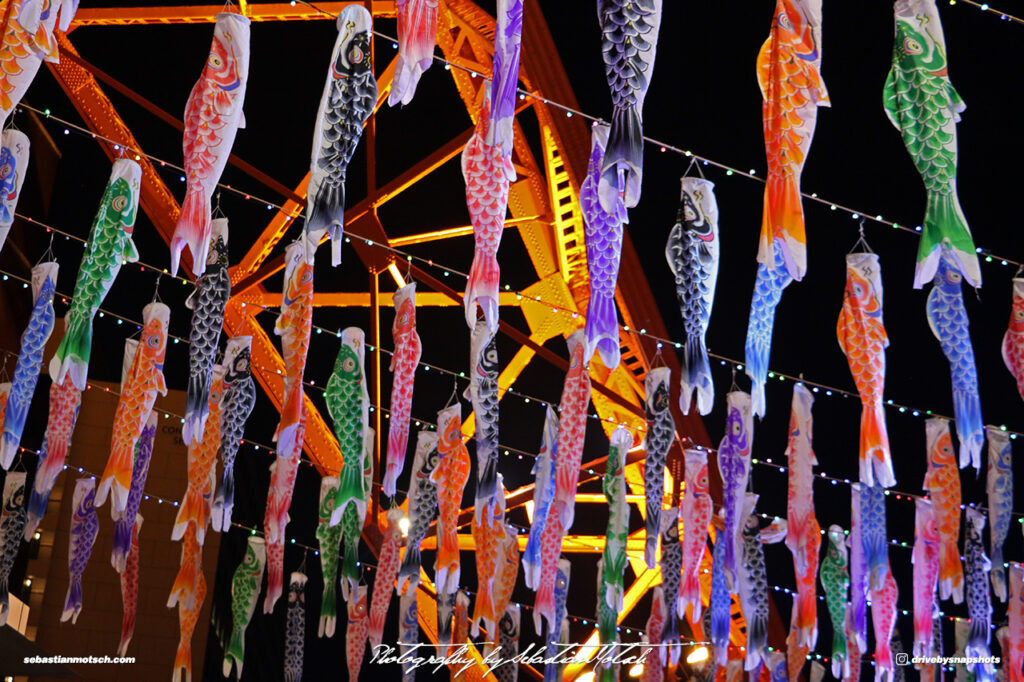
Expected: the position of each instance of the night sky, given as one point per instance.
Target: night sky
(704, 98)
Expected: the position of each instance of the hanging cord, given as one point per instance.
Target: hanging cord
(156, 289)
(861, 241)
(693, 162)
(48, 254)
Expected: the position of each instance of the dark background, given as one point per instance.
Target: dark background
(703, 97)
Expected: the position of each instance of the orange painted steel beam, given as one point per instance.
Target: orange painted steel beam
(268, 368)
(206, 14)
(293, 207)
(525, 340)
(179, 125)
(361, 299)
(100, 116)
(449, 232)
(258, 266)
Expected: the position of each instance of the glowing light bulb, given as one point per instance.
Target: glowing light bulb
(698, 655)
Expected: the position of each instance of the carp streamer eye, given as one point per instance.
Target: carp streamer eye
(215, 61)
(355, 55)
(119, 203)
(911, 46)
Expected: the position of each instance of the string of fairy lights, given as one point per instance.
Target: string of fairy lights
(856, 215)
(508, 450)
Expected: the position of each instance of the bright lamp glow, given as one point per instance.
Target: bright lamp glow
(637, 670)
(403, 525)
(698, 655)
(586, 677)
(399, 280)
(529, 510)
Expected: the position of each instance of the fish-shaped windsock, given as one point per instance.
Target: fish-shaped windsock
(692, 252)
(924, 106)
(853, 650)
(355, 633)
(1013, 340)
(653, 670)
(445, 612)
(863, 339)
(202, 467)
(796, 651)
(27, 41)
(124, 524)
(130, 588)
(657, 441)
(999, 487)
(144, 380)
(734, 468)
(183, 591)
(960, 630)
(245, 591)
(925, 558)
(348, 403)
(65, 399)
(568, 457)
(110, 244)
(858, 613)
(543, 495)
(803, 534)
(572, 410)
(213, 115)
(507, 570)
(789, 73)
(14, 155)
(30, 360)
(408, 634)
(283, 471)
(753, 587)
(559, 635)
(295, 634)
(294, 326)
(883, 619)
(85, 525)
(835, 579)
(777, 667)
(460, 625)
(237, 403)
(671, 565)
(979, 601)
(488, 537)
(607, 630)
(422, 509)
(767, 293)
(188, 618)
(629, 39)
(603, 231)
(487, 173)
(616, 537)
(350, 95)
(695, 511)
(947, 318)
(417, 25)
(353, 519)
(329, 539)
(508, 642)
(873, 533)
(403, 365)
(718, 615)
(508, 37)
(942, 481)
(12, 523)
(450, 475)
(207, 302)
(384, 578)
(483, 393)
(1015, 616)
